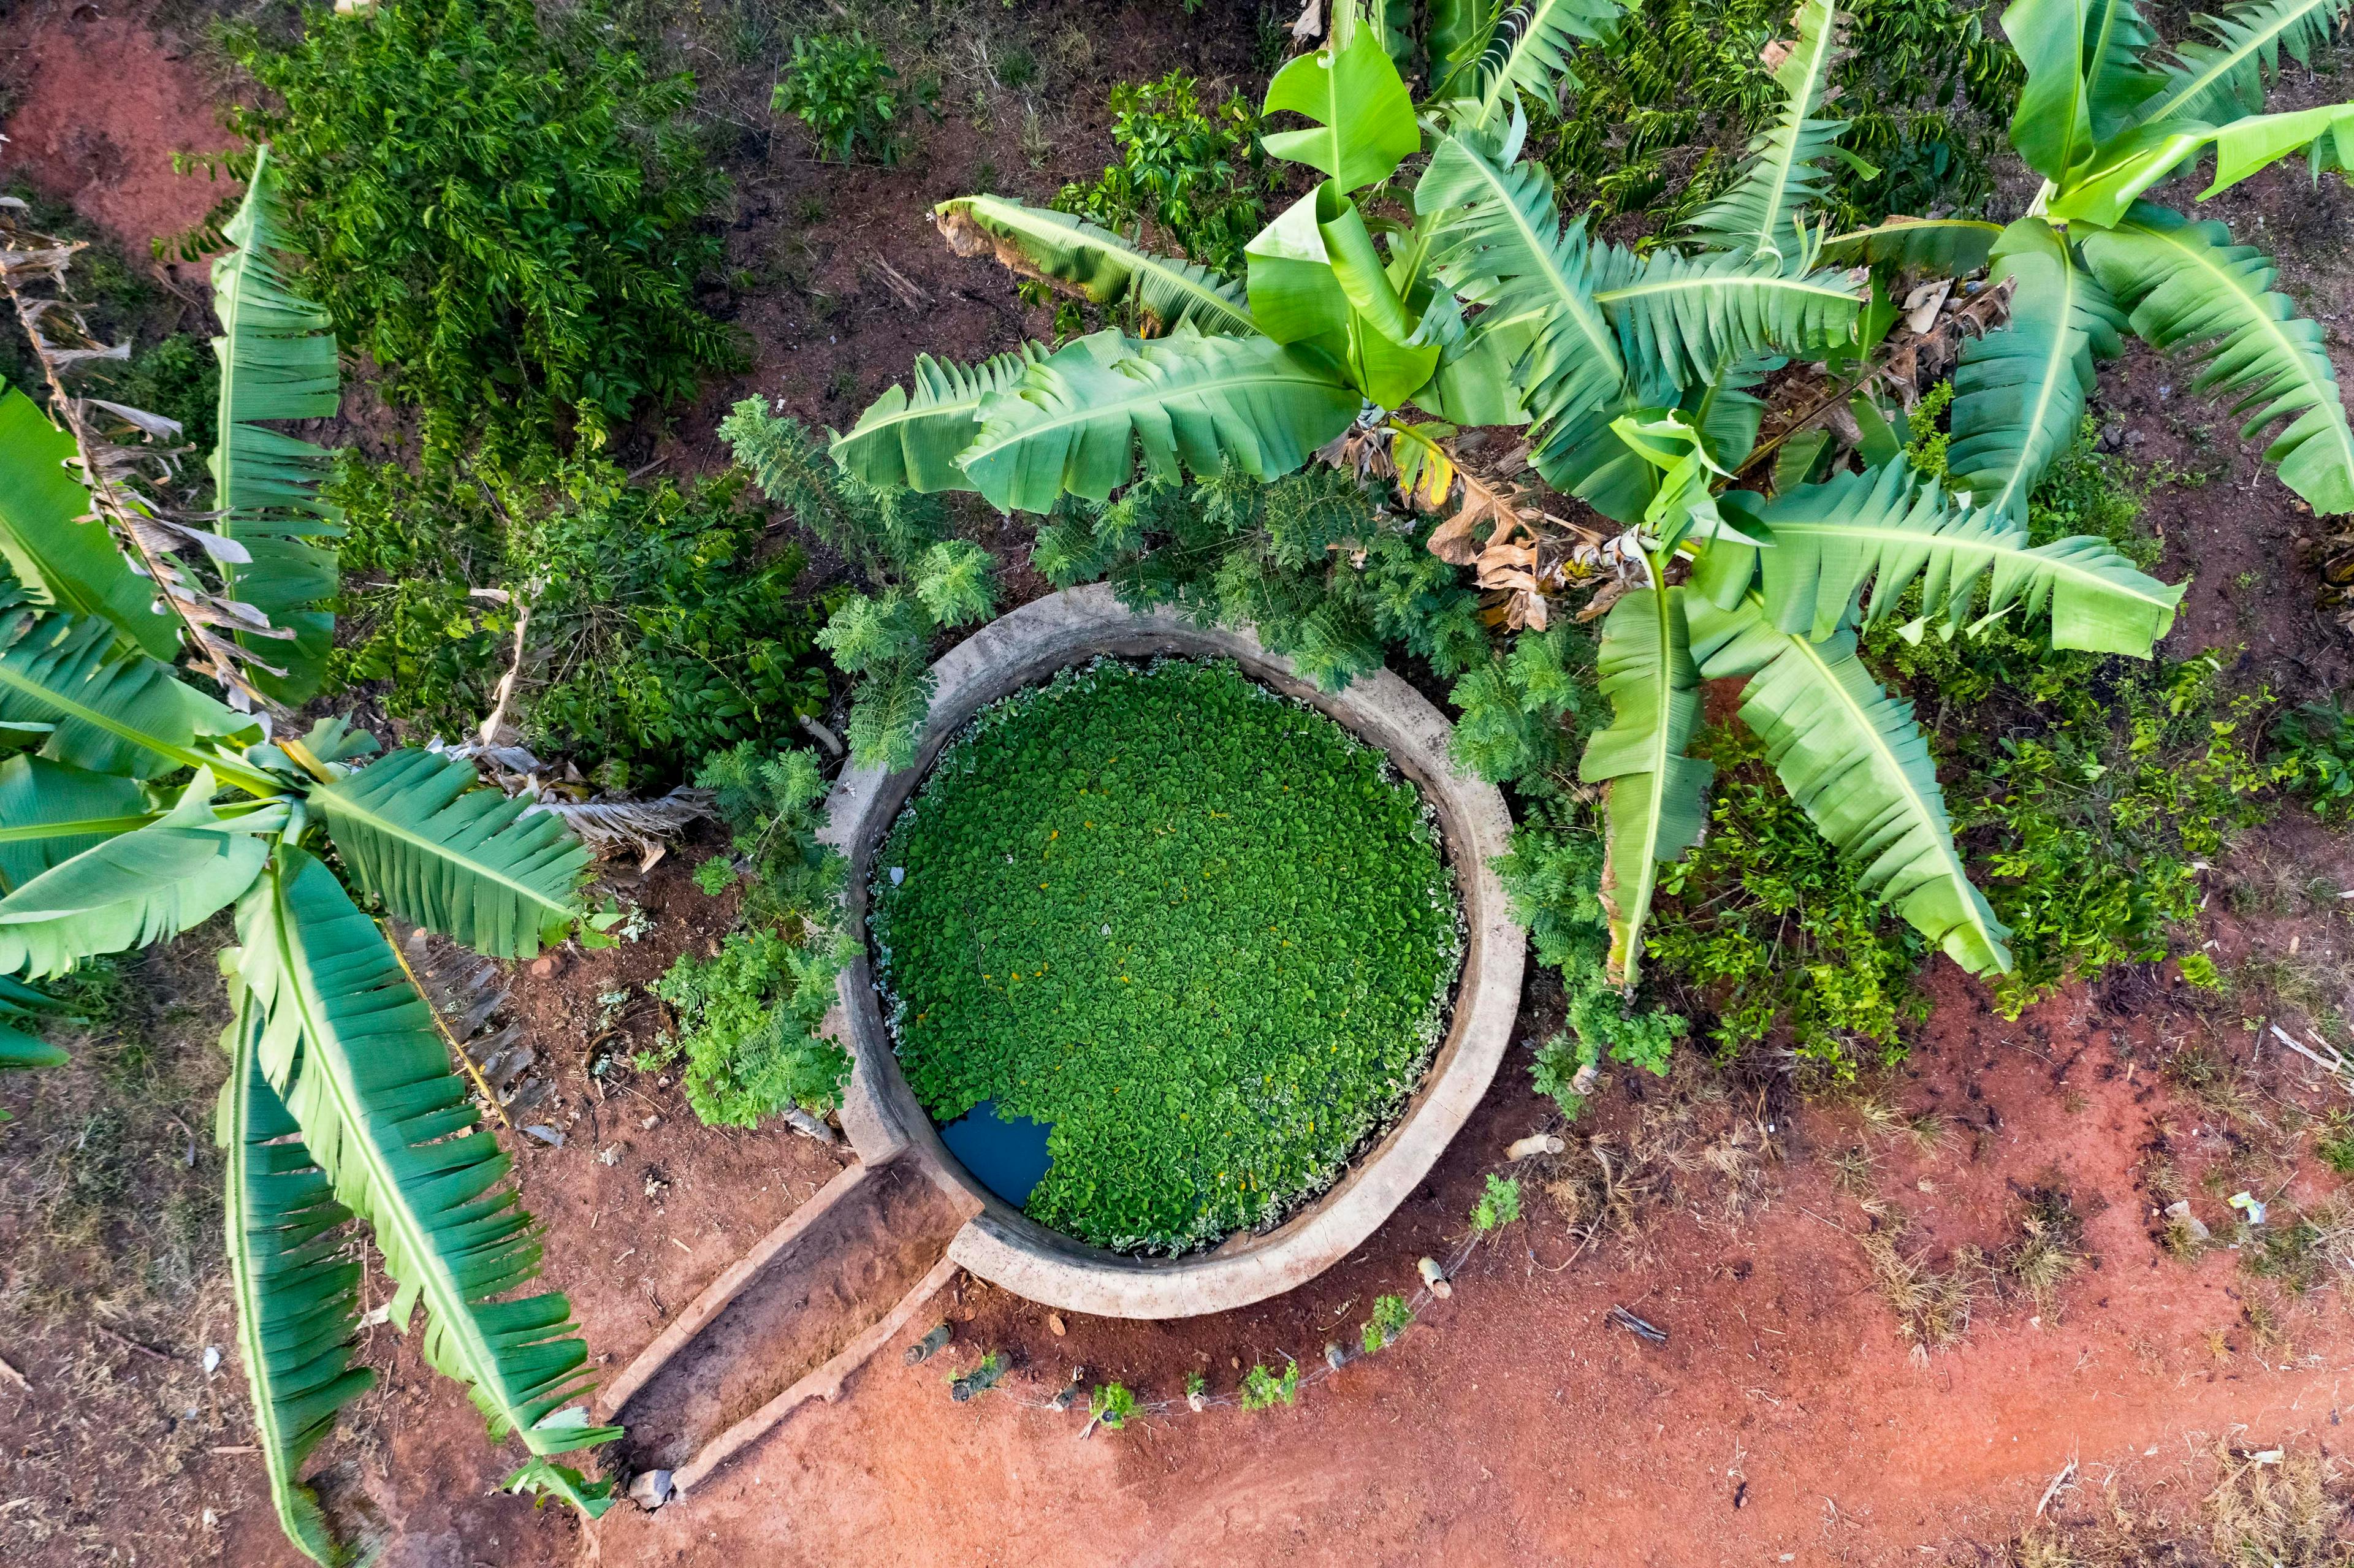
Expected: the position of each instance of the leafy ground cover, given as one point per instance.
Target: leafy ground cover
(1200, 930)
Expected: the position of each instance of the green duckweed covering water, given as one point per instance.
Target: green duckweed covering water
(1200, 928)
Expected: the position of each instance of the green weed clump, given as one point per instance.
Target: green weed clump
(1113, 1403)
(836, 83)
(413, 552)
(1392, 1317)
(2313, 756)
(1766, 921)
(673, 630)
(750, 1016)
(505, 216)
(1194, 171)
(1499, 1204)
(1199, 930)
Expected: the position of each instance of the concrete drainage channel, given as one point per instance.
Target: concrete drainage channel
(791, 1320)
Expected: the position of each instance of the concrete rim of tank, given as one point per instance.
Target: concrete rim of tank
(1000, 1244)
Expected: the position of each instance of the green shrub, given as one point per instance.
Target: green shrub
(920, 581)
(506, 217)
(2096, 826)
(1390, 1317)
(1112, 1404)
(747, 1022)
(1499, 1204)
(1194, 171)
(2313, 755)
(1262, 1390)
(1199, 931)
(835, 83)
(1766, 922)
(671, 629)
(665, 629)
(1552, 873)
(413, 550)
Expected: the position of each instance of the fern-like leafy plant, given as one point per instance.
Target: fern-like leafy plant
(920, 581)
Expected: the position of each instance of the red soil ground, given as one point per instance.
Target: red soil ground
(1784, 1419)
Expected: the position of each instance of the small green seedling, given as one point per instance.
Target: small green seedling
(1112, 1404)
(1499, 1205)
(1391, 1316)
(981, 1380)
(1262, 1390)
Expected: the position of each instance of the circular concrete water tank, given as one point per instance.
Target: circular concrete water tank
(1000, 1244)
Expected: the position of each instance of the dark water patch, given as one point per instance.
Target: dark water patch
(1007, 1156)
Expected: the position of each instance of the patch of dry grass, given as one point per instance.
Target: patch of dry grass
(1689, 1144)
(2265, 1509)
(1932, 1302)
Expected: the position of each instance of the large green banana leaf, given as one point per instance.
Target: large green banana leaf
(2018, 393)
(1857, 763)
(2260, 140)
(1456, 27)
(277, 352)
(1681, 317)
(1655, 797)
(1882, 530)
(61, 559)
(1947, 247)
(2119, 78)
(1038, 243)
(1363, 114)
(1581, 456)
(914, 439)
(2051, 126)
(466, 863)
(112, 713)
(2218, 80)
(144, 886)
(2105, 188)
(1527, 49)
(1765, 212)
(2189, 287)
(1316, 279)
(352, 1050)
(51, 812)
(1192, 403)
(297, 1293)
(21, 1052)
(1499, 241)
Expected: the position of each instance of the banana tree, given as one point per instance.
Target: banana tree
(134, 806)
(2107, 114)
(1633, 375)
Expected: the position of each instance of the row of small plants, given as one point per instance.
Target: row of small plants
(1197, 929)
(1263, 1386)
